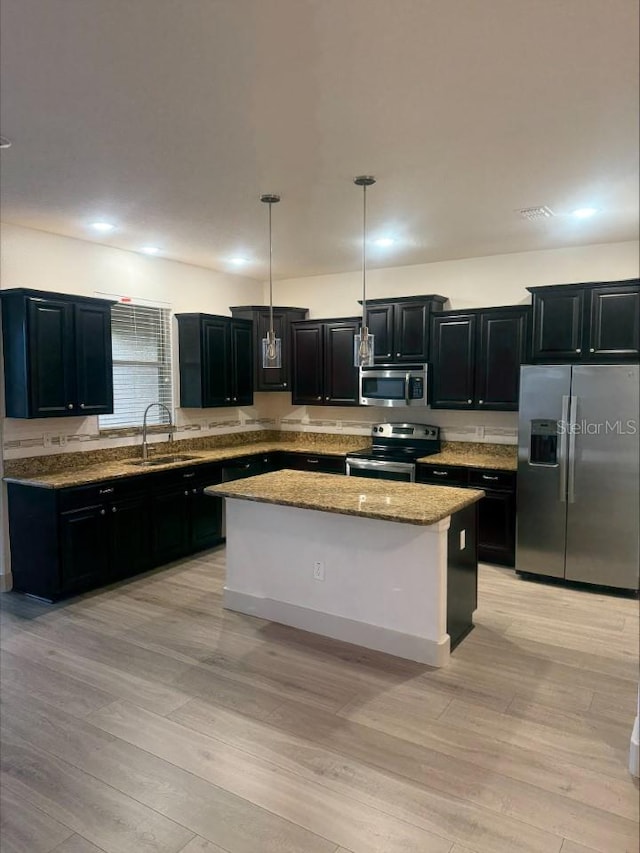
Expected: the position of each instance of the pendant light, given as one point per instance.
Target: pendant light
(363, 343)
(271, 346)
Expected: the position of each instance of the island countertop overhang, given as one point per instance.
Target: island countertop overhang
(404, 503)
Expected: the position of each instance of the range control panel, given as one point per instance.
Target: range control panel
(414, 431)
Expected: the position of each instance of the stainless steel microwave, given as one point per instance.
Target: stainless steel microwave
(394, 385)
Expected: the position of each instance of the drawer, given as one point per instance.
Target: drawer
(244, 466)
(503, 481)
(104, 491)
(314, 462)
(186, 475)
(444, 475)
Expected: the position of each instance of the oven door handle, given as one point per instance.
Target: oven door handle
(375, 465)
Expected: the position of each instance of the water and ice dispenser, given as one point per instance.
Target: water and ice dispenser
(543, 447)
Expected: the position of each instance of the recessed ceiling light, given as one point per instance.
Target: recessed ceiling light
(531, 213)
(384, 242)
(102, 226)
(585, 212)
(150, 250)
(238, 262)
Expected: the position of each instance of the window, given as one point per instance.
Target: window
(141, 346)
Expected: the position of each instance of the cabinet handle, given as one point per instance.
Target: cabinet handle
(469, 401)
(114, 509)
(186, 493)
(189, 475)
(108, 491)
(488, 477)
(387, 355)
(248, 465)
(70, 406)
(397, 355)
(82, 405)
(235, 399)
(103, 512)
(227, 399)
(326, 398)
(480, 402)
(592, 349)
(194, 491)
(578, 350)
(318, 398)
(440, 473)
(313, 461)
(284, 384)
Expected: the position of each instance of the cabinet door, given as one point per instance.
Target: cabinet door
(51, 358)
(380, 323)
(206, 519)
(453, 361)
(271, 378)
(411, 332)
(128, 537)
(557, 325)
(496, 528)
(169, 525)
(84, 553)
(502, 348)
(94, 370)
(307, 361)
(241, 381)
(340, 375)
(615, 323)
(216, 367)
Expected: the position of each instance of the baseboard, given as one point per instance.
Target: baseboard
(634, 750)
(363, 634)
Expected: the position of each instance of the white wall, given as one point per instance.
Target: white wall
(469, 283)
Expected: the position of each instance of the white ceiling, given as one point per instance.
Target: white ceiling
(170, 118)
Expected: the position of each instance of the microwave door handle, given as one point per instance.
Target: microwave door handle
(407, 387)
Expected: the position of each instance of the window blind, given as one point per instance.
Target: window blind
(141, 346)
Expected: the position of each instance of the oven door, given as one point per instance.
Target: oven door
(378, 470)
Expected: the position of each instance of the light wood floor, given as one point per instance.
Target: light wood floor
(145, 718)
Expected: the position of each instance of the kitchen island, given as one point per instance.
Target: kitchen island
(385, 565)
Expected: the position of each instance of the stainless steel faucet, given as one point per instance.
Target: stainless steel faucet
(145, 447)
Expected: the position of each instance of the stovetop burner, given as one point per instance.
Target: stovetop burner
(400, 442)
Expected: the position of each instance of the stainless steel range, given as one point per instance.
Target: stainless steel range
(394, 451)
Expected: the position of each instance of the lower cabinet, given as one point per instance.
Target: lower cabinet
(314, 462)
(496, 511)
(84, 548)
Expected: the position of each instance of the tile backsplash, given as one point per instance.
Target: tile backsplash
(270, 411)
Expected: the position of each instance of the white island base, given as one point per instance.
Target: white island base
(383, 584)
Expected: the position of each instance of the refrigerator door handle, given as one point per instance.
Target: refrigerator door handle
(562, 450)
(573, 423)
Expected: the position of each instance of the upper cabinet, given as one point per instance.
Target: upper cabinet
(270, 378)
(476, 357)
(57, 354)
(323, 372)
(401, 327)
(216, 361)
(586, 322)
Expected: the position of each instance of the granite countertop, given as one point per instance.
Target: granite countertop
(468, 454)
(114, 469)
(407, 503)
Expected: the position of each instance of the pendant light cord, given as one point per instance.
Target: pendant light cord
(364, 255)
(271, 331)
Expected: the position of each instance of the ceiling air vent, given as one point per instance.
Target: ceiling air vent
(536, 212)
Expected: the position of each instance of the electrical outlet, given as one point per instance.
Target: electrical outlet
(463, 539)
(318, 570)
(47, 439)
(62, 440)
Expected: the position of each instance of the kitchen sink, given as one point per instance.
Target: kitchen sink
(161, 460)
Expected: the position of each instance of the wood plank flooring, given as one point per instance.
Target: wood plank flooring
(146, 719)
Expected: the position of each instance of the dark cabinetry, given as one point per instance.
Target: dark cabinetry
(597, 321)
(270, 379)
(476, 357)
(323, 463)
(216, 361)
(183, 518)
(496, 511)
(57, 354)
(401, 327)
(322, 362)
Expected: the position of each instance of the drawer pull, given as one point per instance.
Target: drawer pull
(103, 512)
(189, 475)
(440, 473)
(194, 491)
(114, 509)
(108, 491)
(186, 493)
(488, 477)
(313, 461)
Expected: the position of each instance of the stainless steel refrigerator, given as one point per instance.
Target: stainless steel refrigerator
(578, 473)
